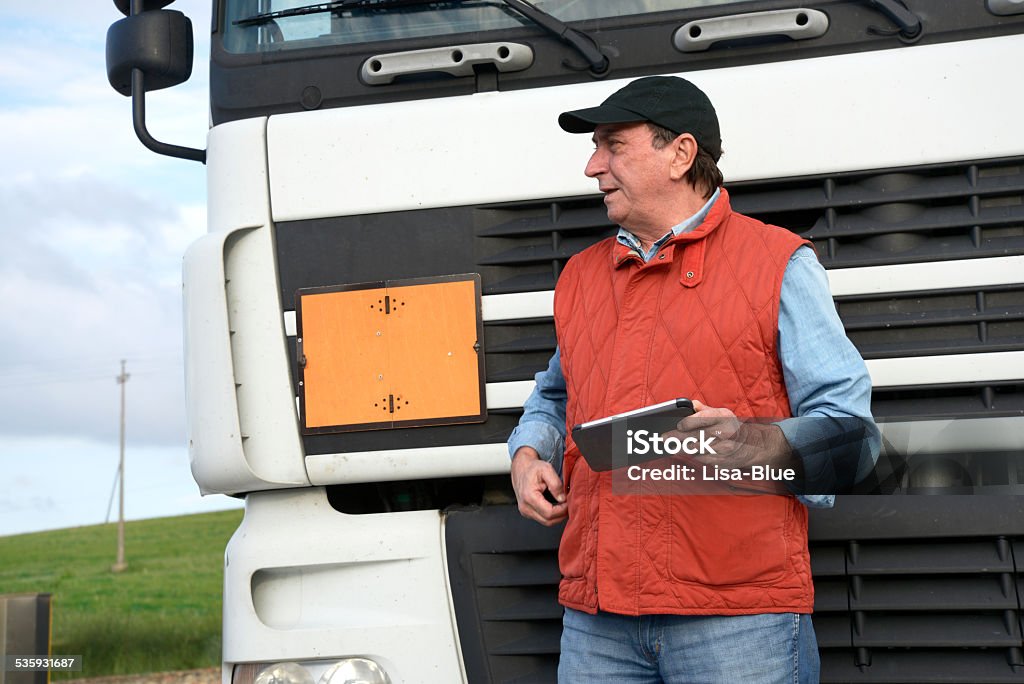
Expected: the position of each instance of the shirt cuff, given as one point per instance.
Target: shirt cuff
(817, 500)
(541, 436)
(836, 452)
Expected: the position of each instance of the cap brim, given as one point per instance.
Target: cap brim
(585, 120)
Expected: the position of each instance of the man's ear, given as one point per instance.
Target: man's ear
(685, 147)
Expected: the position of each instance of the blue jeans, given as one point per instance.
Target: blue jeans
(705, 649)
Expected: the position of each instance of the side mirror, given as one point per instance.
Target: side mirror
(126, 5)
(158, 42)
(150, 50)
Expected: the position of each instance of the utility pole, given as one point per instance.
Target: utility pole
(120, 565)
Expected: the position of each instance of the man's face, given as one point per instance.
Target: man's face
(634, 177)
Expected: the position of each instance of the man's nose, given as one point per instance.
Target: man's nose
(597, 164)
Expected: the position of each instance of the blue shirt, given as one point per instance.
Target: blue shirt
(824, 373)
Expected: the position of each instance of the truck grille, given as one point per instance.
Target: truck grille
(882, 218)
(887, 609)
(877, 218)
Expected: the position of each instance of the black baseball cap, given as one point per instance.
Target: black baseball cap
(668, 101)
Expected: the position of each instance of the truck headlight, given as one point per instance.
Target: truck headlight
(284, 673)
(334, 671)
(355, 671)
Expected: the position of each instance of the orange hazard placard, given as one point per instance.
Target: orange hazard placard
(399, 353)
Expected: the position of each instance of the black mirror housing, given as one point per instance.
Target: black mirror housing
(158, 42)
(125, 5)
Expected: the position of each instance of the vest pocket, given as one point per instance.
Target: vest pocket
(729, 540)
(576, 536)
(571, 551)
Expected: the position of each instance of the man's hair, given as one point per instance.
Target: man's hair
(703, 175)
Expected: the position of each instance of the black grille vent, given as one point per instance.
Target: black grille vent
(504, 578)
(942, 610)
(951, 321)
(924, 214)
(963, 400)
(528, 243)
(932, 213)
(893, 602)
(515, 351)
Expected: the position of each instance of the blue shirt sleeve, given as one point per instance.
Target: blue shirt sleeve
(543, 423)
(827, 382)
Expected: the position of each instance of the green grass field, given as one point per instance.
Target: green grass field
(162, 613)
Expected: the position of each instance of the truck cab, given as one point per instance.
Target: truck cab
(368, 159)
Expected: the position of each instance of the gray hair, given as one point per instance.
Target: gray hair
(704, 174)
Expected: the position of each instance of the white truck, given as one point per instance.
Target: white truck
(391, 201)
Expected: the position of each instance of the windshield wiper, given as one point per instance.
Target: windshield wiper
(582, 42)
(909, 23)
(336, 6)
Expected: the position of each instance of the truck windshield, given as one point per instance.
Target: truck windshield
(397, 21)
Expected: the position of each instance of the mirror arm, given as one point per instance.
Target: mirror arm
(139, 121)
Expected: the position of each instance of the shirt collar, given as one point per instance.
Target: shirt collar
(629, 240)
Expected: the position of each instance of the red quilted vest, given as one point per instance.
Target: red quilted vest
(699, 320)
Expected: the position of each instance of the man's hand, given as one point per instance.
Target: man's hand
(531, 478)
(739, 444)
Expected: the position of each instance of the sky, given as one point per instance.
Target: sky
(92, 231)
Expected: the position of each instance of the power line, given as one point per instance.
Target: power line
(91, 360)
(30, 377)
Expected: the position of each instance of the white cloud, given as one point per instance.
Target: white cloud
(88, 280)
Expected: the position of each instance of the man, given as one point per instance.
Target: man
(689, 300)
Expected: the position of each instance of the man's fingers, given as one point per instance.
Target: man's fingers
(531, 479)
(706, 418)
(720, 423)
(553, 510)
(553, 484)
(535, 507)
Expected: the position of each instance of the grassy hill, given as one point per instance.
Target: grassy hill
(162, 613)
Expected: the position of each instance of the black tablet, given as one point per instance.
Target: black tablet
(626, 438)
